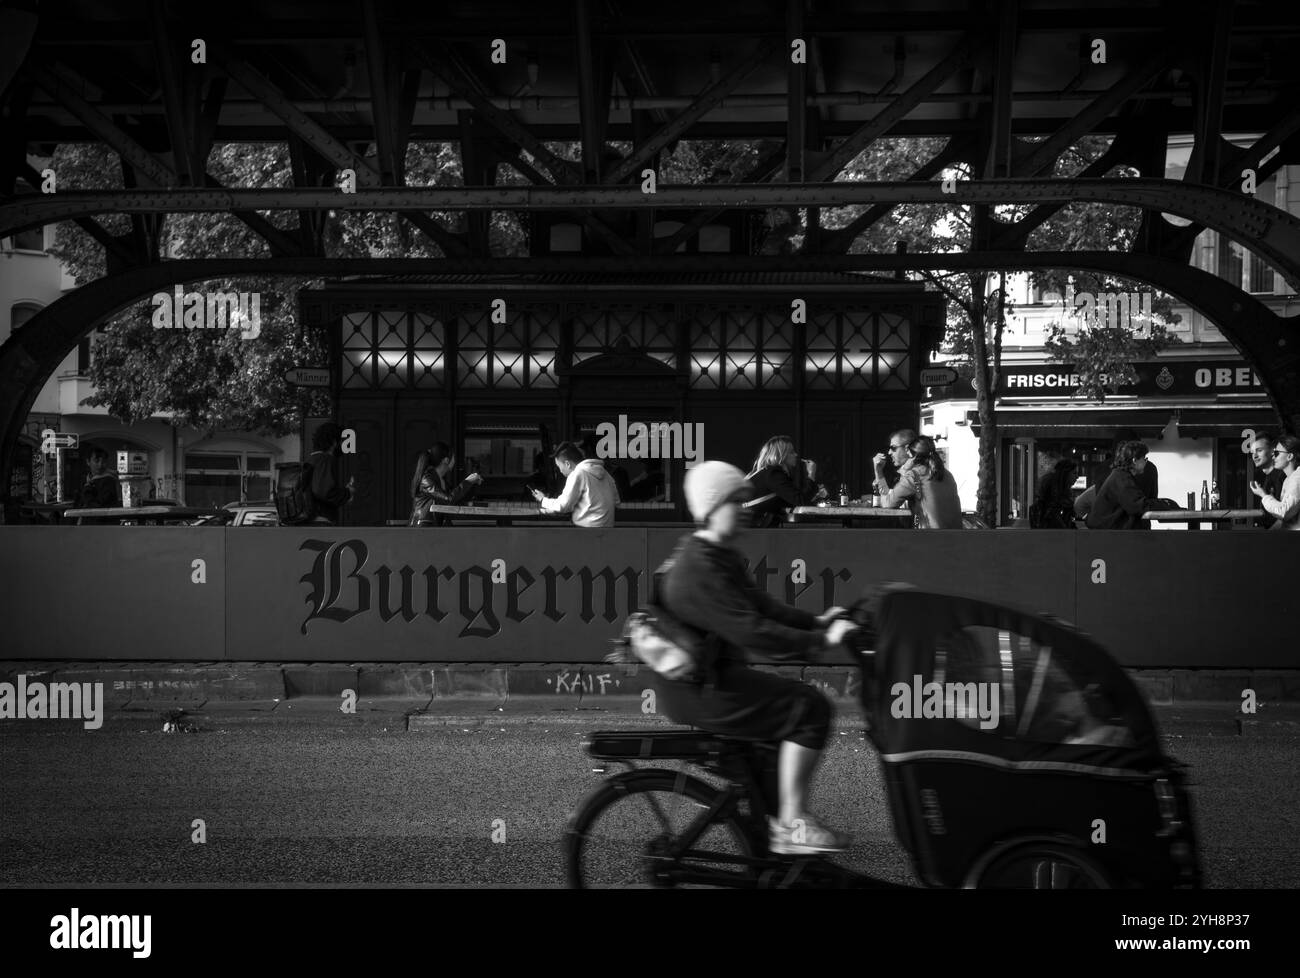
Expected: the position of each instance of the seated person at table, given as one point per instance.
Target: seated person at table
(1120, 501)
(889, 464)
(589, 492)
(102, 490)
(928, 487)
(779, 483)
(1285, 506)
(431, 485)
(1268, 476)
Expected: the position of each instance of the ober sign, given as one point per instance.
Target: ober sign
(938, 376)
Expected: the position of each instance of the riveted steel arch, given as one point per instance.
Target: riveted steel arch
(1270, 232)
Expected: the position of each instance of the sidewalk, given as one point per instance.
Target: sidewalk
(424, 696)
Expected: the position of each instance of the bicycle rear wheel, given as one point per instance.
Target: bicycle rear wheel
(621, 835)
(1041, 866)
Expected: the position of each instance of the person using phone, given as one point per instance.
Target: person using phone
(589, 492)
(781, 481)
(432, 485)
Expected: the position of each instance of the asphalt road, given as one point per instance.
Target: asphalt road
(336, 802)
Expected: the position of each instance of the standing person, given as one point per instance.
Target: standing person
(777, 484)
(707, 586)
(927, 486)
(589, 492)
(329, 495)
(1285, 506)
(102, 489)
(1120, 501)
(895, 458)
(1053, 507)
(431, 485)
(1267, 475)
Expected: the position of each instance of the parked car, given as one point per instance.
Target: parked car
(973, 521)
(242, 514)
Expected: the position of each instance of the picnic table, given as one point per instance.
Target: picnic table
(845, 515)
(130, 515)
(1195, 517)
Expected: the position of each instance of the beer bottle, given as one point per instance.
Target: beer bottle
(1214, 495)
(844, 494)
(1205, 495)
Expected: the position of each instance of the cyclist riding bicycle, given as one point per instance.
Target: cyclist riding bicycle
(706, 586)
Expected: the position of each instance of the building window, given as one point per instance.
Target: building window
(623, 330)
(519, 354)
(858, 350)
(742, 348)
(393, 350)
(33, 239)
(218, 478)
(1260, 276)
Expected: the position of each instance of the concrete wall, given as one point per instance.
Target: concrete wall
(551, 594)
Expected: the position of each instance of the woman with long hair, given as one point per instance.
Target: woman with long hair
(927, 487)
(1286, 507)
(431, 484)
(1120, 501)
(778, 482)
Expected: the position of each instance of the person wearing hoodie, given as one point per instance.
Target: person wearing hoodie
(589, 491)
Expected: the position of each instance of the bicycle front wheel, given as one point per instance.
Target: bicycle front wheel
(629, 832)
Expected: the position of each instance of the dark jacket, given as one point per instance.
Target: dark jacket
(329, 494)
(775, 493)
(1120, 502)
(707, 587)
(433, 489)
(100, 492)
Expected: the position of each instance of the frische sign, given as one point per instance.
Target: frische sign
(1168, 378)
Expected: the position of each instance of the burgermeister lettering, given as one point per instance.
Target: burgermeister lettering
(345, 583)
(344, 586)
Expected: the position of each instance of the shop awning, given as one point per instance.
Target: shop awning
(1228, 421)
(1099, 423)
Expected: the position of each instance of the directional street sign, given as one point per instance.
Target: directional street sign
(50, 440)
(308, 376)
(938, 376)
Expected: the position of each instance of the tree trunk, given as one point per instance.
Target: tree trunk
(986, 497)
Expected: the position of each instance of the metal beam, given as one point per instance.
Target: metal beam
(674, 129)
(767, 164)
(178, 129)
(382, 96)
(458, 77)
(315, 136)
(61, 84)
(839, 240)
(997, 162)
(1204, 158)
(588, 124)
(140, 159)
(1264, 229)
(112, 244)
(796, 110)
(300, 124)
(888, 117)
(1044, 154)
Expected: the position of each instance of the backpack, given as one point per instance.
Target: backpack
(655, 638)
(294, 501)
